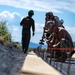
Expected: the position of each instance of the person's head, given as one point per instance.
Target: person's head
(49, 15)
(30, 13)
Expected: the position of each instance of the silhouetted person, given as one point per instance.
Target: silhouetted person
(27, 23)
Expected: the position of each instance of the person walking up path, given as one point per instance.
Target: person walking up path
(27, 23)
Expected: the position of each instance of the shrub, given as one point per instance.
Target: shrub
(4, 32)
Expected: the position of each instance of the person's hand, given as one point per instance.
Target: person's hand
(54, 46)
(33, 34)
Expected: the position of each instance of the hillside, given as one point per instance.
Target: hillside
(35, 45)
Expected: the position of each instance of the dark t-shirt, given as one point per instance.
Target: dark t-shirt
(27, 22)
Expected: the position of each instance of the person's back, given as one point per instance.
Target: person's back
(65, 41)
(27, 22)
(63, 33)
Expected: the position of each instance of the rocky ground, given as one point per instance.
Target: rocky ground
(11, 60)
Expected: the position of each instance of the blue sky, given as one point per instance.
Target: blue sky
(13, 11)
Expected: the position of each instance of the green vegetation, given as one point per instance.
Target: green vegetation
(5, 36)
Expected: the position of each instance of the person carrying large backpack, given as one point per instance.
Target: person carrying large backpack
(64, 41)
(27, 23)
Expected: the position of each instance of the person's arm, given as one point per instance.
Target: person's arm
(52, 41)
(33, 27)
(21, 23)
(57, 45)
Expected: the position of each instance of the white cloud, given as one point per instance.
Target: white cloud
(16, 33)
(71, 30)
(6, 15)
(39, 27)
(41, 5)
